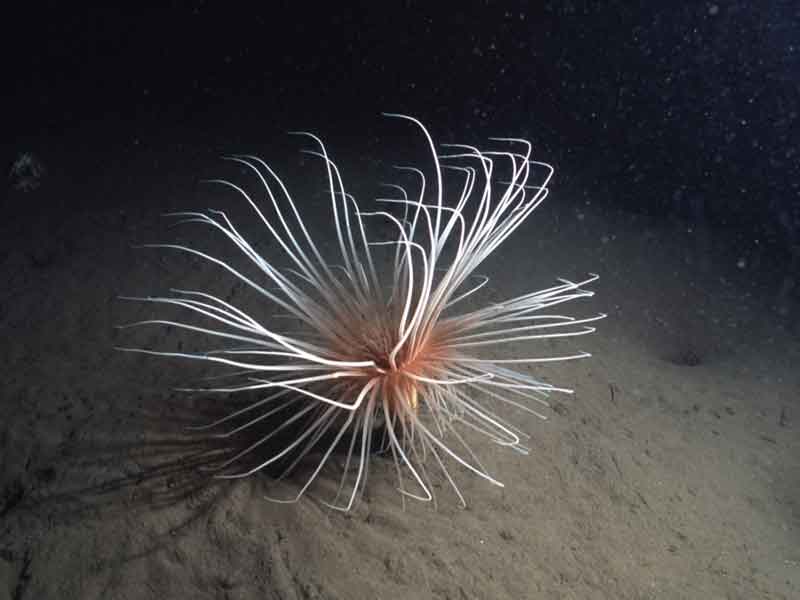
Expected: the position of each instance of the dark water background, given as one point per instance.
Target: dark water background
(687, 112)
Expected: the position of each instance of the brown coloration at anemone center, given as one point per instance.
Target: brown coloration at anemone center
(399, 384)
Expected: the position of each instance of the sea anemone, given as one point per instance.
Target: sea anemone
(379, 361)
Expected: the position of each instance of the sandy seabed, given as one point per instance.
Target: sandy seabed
(672, 472)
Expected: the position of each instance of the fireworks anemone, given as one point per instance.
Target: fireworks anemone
(380, 360)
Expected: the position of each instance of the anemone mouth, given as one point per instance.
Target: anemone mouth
(384, 346)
